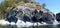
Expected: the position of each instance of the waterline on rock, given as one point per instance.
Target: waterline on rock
(55, 22)
(21, 23)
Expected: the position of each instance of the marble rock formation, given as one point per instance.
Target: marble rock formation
(58, 17)
(31, 13)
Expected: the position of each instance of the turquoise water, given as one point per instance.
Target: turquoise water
(41, 26)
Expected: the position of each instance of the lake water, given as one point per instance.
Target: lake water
(5, 24)
(41, 26)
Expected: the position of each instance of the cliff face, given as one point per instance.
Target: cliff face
(32, 12)
(58, 17)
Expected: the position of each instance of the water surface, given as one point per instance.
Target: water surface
(41, 26)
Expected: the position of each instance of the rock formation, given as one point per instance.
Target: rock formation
(32, 12)
(58, 17)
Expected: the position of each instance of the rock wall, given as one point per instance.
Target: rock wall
(58, 16)
(32, 12)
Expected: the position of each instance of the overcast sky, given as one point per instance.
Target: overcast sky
(52, 5)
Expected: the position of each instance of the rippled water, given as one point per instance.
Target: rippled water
(41, 26)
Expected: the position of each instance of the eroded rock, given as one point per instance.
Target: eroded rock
(31, 14)
(58, 16)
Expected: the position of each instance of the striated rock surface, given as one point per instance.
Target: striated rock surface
(32, 12)
(58, 17)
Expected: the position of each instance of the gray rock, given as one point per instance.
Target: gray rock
(58, 17)
(29, 14)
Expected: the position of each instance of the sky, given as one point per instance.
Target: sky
(52, 5)
(1, 1)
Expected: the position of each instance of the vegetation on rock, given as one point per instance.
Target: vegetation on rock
(6, 5)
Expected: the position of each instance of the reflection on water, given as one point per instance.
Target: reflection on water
(41, 26)
(8, 26)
